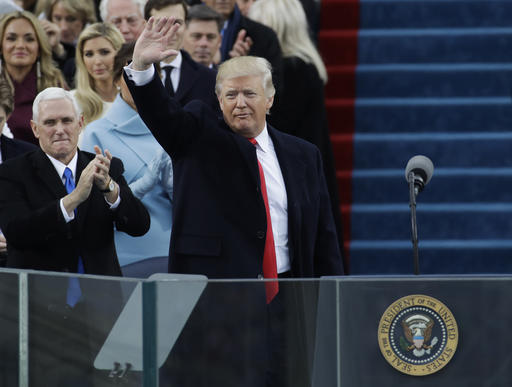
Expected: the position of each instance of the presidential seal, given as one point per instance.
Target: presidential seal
(418, 335)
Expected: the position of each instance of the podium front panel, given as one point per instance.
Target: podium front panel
(481, 307)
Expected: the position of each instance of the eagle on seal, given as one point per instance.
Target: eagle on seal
(418, 331)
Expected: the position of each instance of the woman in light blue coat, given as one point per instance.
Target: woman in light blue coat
(148, 168)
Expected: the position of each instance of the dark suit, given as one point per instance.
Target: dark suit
(196, 82)
(11, 148)
(63, 342)
(219, 227)
(218, 209)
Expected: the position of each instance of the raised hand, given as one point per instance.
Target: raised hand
(53, 33)
(152, 45)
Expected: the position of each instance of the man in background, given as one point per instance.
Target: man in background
(243, 36)
(202, 35)
(126, 15)
(183, 78)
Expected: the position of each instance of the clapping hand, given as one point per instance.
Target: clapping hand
(102, 164)
(96, 172)
(152, 45)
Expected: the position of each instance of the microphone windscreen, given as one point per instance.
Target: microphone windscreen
(421, 165)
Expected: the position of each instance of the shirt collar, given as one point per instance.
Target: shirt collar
(263, 139)
(175, 63)
(60, 167)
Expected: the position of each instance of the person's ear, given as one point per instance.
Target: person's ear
(35, 128)
(270, 102)
(81, 122)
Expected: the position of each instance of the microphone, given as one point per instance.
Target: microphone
(418, 172)
(422, 170)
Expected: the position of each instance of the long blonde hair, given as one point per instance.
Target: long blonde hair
(48, 74)
(89, 100)
(288, 19)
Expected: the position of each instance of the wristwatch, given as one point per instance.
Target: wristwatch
(110, 187)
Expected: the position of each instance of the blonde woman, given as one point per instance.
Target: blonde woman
(26, 63)
(69, 18)
(95, 52)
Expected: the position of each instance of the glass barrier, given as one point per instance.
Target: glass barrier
(9, 328)
(177, 330)
(223, 333)
(173, 330)
(68, 319)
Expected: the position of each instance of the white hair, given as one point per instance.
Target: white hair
(246, 65)
(104, 8)
(288, 20)
(51, 93)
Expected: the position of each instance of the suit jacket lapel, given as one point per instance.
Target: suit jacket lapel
(8, 148)
(291, 163)
(248, 153)
(53, 182)
(188, 76)
(4, 148)
(292, 167)
(48, 175)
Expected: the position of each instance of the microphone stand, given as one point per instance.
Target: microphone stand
(414, 227)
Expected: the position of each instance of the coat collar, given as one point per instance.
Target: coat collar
(122, 115)
(188, 75)
(292, 165)
(291, 162)
(48, 174)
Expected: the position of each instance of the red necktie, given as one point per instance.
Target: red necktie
(269, 254)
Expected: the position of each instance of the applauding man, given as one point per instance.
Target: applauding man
(48, 227)
(58, 209)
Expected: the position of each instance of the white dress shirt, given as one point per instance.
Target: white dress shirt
(6, 131)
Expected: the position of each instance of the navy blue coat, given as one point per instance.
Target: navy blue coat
(219, 220)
